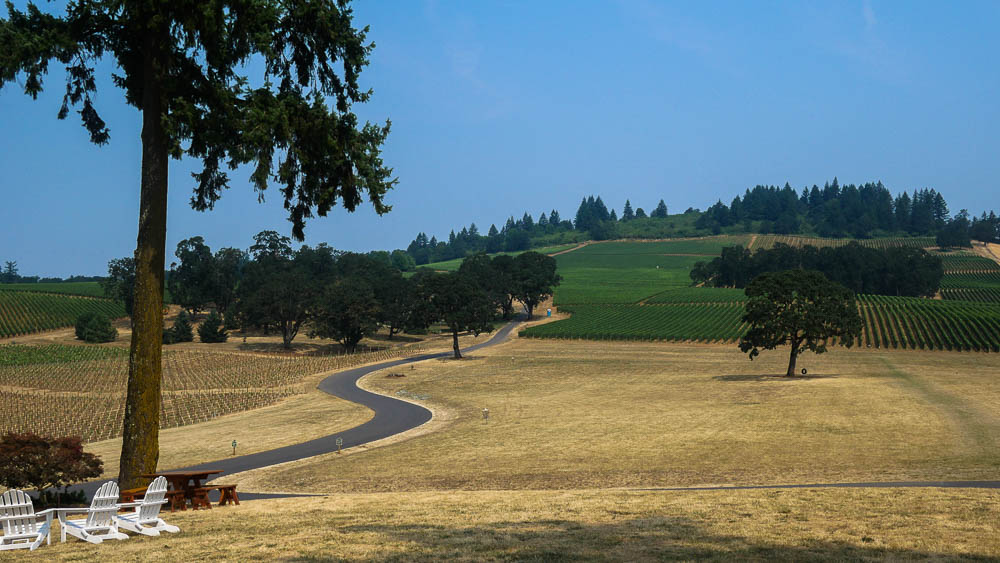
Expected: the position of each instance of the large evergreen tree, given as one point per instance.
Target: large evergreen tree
(628, 214)
(660, 211)
(184, 65)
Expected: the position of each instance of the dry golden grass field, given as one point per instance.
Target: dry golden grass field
(577, 429)
(578, 414)
(597, 525)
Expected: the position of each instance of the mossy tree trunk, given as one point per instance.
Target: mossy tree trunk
(140, 442)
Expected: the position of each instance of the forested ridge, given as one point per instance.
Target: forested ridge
(857, 211)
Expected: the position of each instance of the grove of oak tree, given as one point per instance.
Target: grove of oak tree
(800, 308)
(184, 65)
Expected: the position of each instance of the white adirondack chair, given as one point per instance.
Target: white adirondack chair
(99, 524)
(21, 526)
(146, 518)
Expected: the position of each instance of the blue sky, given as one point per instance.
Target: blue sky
(503, 107)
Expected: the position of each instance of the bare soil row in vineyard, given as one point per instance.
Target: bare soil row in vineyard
(71, 390)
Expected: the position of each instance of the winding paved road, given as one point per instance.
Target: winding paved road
(392, 416)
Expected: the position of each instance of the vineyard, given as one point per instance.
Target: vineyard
(705, 246)
(971, 294)
(75, 390)
(718, 322)
(907, 322)
(453, 265)
(889, 322)
(698, 295)
(768, 241)
(24, 312)
(959, 263)
(87, 289)
(641, 291)
(594, 274)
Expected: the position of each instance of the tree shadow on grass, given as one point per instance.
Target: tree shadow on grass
(774, 377)
(634, 539)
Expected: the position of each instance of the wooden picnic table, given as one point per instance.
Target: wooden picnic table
(188, 482)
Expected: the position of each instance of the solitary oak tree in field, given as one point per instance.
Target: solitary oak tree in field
(800, 308)
(187, 65)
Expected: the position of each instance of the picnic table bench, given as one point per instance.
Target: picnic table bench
(187, 486)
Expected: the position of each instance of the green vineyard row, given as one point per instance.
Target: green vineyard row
(768, 241)
(889, 322)
(981, 280)
(980, 295)
(700, 322)
(88, 289)
(25, 312)
(967, 263)
(903, 322)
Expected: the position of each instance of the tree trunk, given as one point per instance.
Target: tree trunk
(791, 360)
(530, 308)
(140, 437)
(454, 340)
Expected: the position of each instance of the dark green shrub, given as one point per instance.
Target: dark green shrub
(182, 331)
(95, 327)
(211, 330)
(232, 321)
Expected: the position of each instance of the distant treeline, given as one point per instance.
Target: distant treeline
(854, 211)
(344, 296)
(911, 272)
(829, 211)
(9, 274)
(592, 220)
